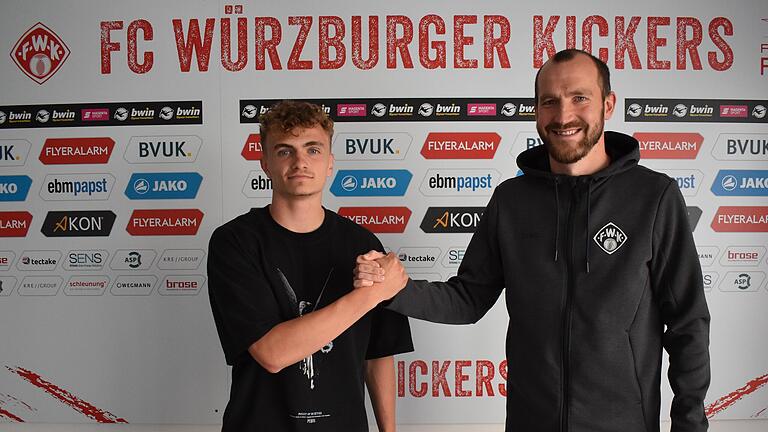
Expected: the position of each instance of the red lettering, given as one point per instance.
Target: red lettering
(373, 43)
(294, 61)
(570, 32)
(194, 45)
(498, 44)
(107, 46)
(461, 377)
(438, 378)
(133, 61)
(483, 380)
(460, 41)
(654, 42)
(264, 45)
(336, 42)
(423, 387)
(625, 42)
(542, 39)
(424, 43)
(399, 44)
(721, 44)
(400, 378)
(691, 45)
(503, 374)
(586, 35)
(226, 44)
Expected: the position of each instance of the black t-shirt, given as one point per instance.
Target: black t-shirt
(261, 274)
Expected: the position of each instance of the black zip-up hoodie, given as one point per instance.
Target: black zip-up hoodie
(600, 272)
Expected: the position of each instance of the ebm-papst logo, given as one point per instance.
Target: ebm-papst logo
(77, 187)
(39, 53)
(741, 183)
(610, 238)
(95, 150)
(15, 223)
(78, 223)
(257, 185)
(371, 182)
(378, 219)
(460, 145)
(14, 188)
(454, 182)
(151, 222)
(451, 219)
(167, 185)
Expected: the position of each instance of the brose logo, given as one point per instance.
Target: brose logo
(371, 182)
(457, 182)
(77, 187)
(451, 219)
(257, 185)
(742, 147)
(181, 285)
(85, 260)
(14, 188)
(741, 183)
(418, 257)
(58, 151)
(13, 152)
(170, 185)
(78, 223)
(39, 53)
(6, 258)
(742, 256)
(378, 219)
(371, 146)
(163, 149)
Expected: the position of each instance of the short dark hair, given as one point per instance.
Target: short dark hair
(603, 73)
(287, 115)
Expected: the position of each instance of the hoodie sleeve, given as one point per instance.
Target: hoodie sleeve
(677, 281)
(466, 297)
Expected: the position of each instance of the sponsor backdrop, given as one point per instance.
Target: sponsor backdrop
(128, 132)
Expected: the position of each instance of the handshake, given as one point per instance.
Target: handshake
(382, 272)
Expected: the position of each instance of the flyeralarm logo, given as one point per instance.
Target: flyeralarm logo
(78, 223)
(378, 219)
(451, 219)
(460, 145)
(252, 148)
(669, 145)
(741, 219)
(57, 151)
(151, 222)
(39, 53)
(15, 223)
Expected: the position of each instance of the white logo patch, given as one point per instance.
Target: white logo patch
(610, 238)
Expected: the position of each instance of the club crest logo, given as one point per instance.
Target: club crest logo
(39, 53)
(610, 238)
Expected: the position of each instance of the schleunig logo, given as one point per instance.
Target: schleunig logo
(371, 182)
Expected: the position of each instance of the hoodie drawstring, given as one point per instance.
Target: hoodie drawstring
(557, 212)
(589, 209)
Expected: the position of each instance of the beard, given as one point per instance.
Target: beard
(568, 154)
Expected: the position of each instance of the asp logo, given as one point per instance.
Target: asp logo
(163, 149)
(170, 185)
(371, 182)
(451, 219)
(741, 183)
(610, 238)
(79, 223)
(39, 53)
(14, 188)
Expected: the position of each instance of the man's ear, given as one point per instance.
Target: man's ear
(264, 166)
(330, 166)
(608, 105)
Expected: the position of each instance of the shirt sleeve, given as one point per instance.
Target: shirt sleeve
(244, 307)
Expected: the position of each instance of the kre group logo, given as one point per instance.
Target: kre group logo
(371, 182)
(57, 151)
(39, 53)
(168, 185)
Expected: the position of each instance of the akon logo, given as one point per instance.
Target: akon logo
(451, 219)
(78, 223)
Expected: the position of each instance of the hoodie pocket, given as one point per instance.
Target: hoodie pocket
(637, 387)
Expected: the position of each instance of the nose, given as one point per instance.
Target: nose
(300, 160)
(563, 113)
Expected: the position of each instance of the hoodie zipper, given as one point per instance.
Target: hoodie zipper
(567, 315)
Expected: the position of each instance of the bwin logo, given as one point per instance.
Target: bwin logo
(166, 113)
(426, 109)
(680, 110)
(634, 110)
(379, 110)
(249, 111)
(610, 238)
(758, 111)
(121, 114)
(509, 109)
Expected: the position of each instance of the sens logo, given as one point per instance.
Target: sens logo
(39, 53)
(610, 238)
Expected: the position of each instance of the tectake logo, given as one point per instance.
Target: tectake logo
(39, 53)
(742, 256)
(14, 188)
(77, 187)
(610, 238)
(133, 259)
(688, 181)
(351, 110)
(451, 219)
(371, 182)
(78, 223)
(163, 149)
(741, 183)
(13, 152)
(459, 182)
(156, 222)
(38, 260)
(168, 185)
(85, 259)
(741, 147)
(418, 257)
(669, 145)
(15, 223)
(461, 145)
(181, 285)
(734, 111)
(57, 151)
(378, 219)
(740, 219)
(252, 148)
(371, 146)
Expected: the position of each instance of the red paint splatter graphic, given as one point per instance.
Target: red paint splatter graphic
(10, 416)
(726, 401)
(101, 416)
(7, 401)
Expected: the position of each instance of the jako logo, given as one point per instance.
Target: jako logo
(39, 53)
(170, 185)
(610, 238)
(14, 188)
(741, 183)
(451, 219)
(81, 223)
(163, 149)
(371, 182)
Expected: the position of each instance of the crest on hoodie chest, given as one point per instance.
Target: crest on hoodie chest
(610, 238)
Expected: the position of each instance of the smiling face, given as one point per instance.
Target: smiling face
(298, 162)
(570, 109)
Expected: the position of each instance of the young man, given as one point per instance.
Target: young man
(300, 340)
(600, 271)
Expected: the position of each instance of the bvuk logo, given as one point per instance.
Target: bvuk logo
(371, 183)
(610, 238)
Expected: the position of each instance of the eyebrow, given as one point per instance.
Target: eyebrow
(305, 145)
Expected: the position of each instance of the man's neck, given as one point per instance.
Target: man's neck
(298, 214)
(596, 160)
